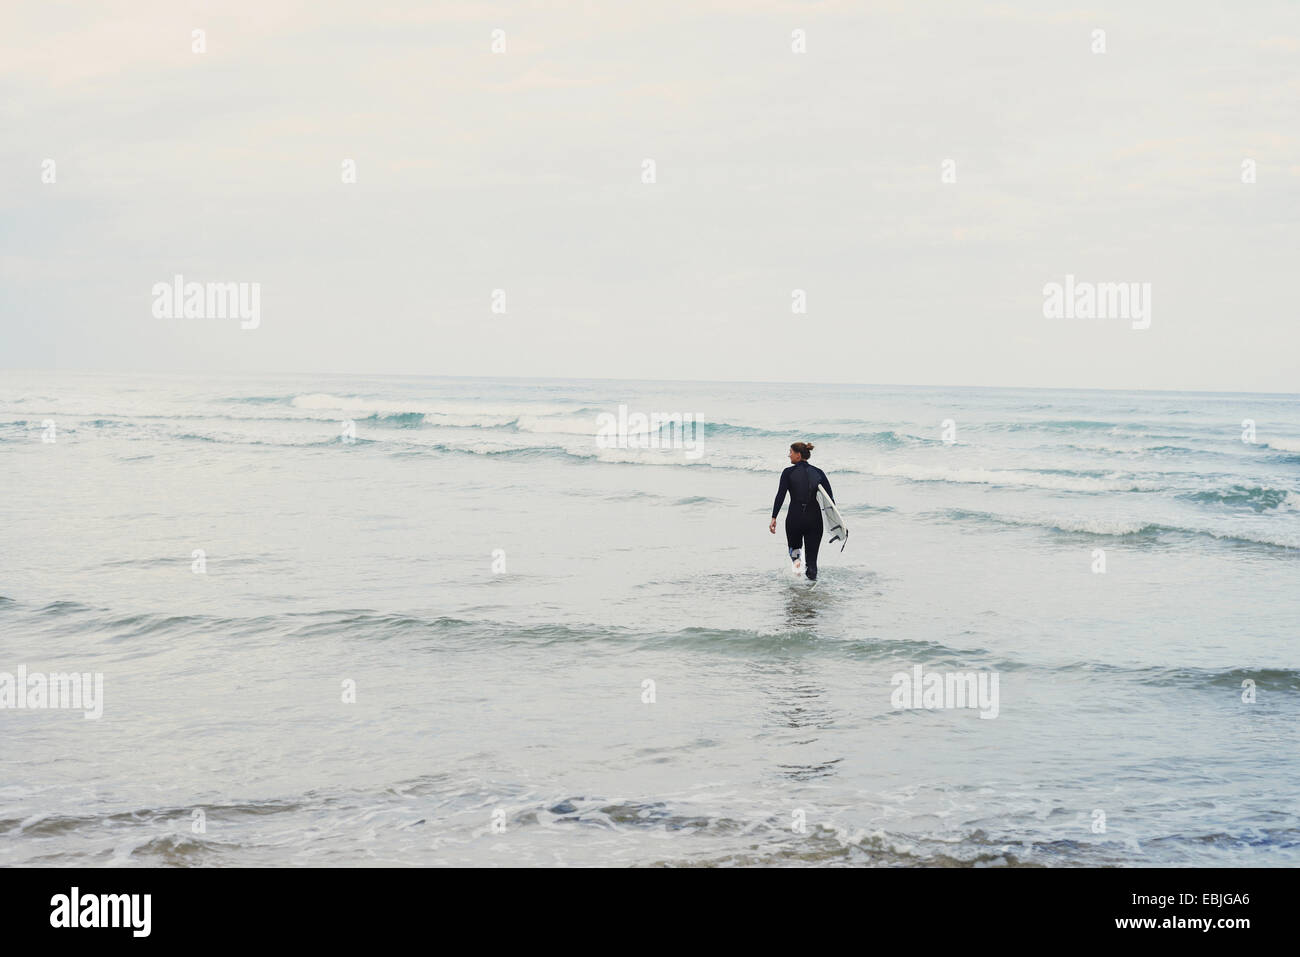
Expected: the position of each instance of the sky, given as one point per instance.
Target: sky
(774, 170)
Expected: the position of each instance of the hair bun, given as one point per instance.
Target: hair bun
(810, 446)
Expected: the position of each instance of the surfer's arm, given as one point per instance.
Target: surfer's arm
(781, 491)
(826, 484)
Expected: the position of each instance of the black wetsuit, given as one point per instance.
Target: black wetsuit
(803, 521)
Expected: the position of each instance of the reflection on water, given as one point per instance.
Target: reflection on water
(802, 604)
(799, 708)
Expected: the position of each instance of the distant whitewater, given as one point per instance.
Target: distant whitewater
(569, 651)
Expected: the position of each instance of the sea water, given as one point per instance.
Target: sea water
(440, 621)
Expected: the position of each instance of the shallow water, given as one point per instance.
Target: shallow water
(499, 588)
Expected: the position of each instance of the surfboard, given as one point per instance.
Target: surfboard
(832, 520)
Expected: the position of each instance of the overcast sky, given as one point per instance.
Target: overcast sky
(776, 171)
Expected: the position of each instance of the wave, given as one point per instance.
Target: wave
(401, 420)
(561, 420)
(1114, 527)
(615, 456)
(882, 438)
(460, 634)
(1291, 446)
(368, 624)
(557, 425)
(566, 421)
(457, 635)
(581, 423)
(765, 839)
(1059, 425)
(321, 401)
(704, 430)
(1258, 498)
(1050, 479)
(1077, 525)
(50, 825)
(1138, 450)
(715, 825)
(1265, 679)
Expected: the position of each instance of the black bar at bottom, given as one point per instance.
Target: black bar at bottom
(313, 906)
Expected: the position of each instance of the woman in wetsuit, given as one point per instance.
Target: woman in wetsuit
(803, 521)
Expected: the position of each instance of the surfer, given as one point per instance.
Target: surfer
(803, 520)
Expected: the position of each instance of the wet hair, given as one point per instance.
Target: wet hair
(803, 448)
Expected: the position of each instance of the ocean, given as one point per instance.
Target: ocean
(343, 620)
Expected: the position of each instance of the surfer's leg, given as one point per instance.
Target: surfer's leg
(794, 542)
(812, 541)
(793, 536)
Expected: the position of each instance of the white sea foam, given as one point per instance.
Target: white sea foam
(983, 476)
(558, 424)
(488, 414)
(1098, 526)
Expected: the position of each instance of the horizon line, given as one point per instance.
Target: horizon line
(552, 378)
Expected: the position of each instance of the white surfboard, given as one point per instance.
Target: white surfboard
(832, 520)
